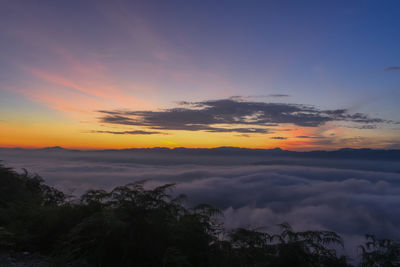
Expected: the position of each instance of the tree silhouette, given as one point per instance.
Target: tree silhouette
(380, 252)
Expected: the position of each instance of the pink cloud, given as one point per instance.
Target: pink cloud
(92, 86)
(63, 99)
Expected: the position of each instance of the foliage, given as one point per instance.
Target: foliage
(380, 252)
(134, 226)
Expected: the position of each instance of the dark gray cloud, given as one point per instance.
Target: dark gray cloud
(249, 97)
(370, 126)
(310, 137)
(279, 138)
(392, 68)
(205, 115)
(128, 132)
(278, 95)
(237, 130)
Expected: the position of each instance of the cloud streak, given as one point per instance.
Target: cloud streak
(392, 68)
(226, 114)
(279, 138)
(278, 95)
(137, 132)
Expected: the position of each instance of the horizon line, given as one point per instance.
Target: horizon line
(193, 148)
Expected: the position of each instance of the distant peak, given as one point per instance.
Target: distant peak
(53, 148)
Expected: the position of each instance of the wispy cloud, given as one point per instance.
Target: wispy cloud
(278, 95)
(392, 68)
(370, 127)
(310, 137)
(252, 97)
(279, 138)
(80, 84)
(138, 132)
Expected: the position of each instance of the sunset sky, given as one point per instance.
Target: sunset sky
(300, 75)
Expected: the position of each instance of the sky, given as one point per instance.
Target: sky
(300, 75)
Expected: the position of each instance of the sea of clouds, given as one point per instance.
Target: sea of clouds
(346, 196)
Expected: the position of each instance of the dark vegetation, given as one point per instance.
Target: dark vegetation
(132, 226)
